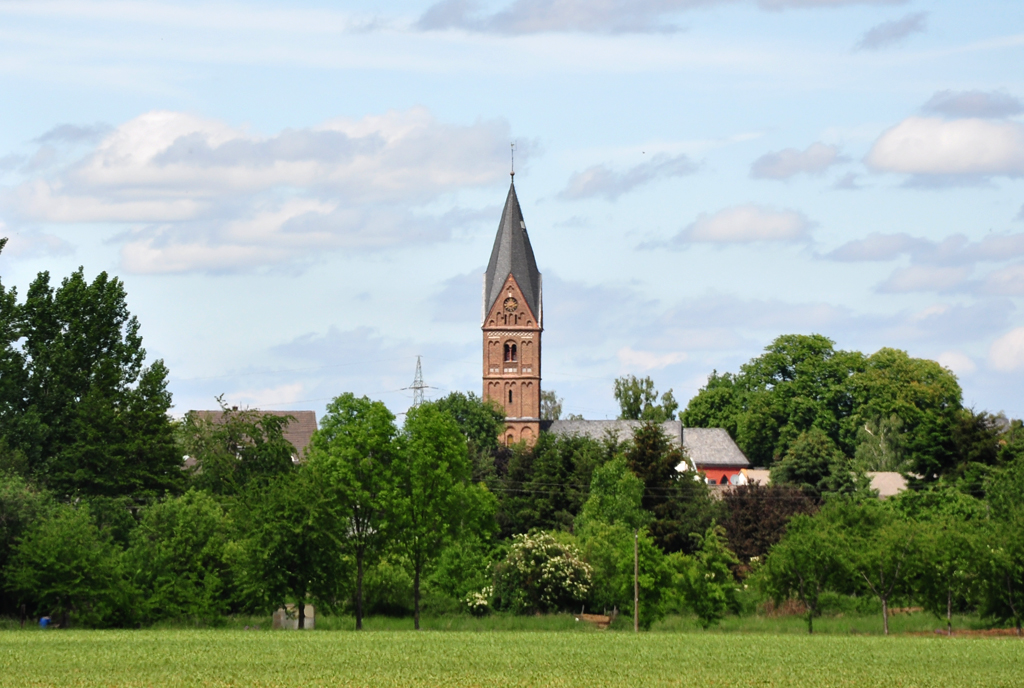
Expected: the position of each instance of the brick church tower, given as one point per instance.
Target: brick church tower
(513, 318)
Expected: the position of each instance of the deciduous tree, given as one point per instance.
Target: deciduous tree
(353, 452)
(638, 400)
(435, 499)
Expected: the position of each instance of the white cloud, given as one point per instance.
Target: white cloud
(892, 32)
(745, 224)
(32, 243)
(925, 278)
(994, 104)
(597, 16)
(599, 180)
(281, 395)
(202, 195)
(1007, 352)
(932, 146)
(1008, 281)
(786, 163)
(960, 363)
(641, 361)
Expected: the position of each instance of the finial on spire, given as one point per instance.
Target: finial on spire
(513, 145)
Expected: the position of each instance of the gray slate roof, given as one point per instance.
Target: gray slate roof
(513, 254)
(705, 447)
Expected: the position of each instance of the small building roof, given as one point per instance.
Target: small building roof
(887, 483)
(512, 254)
(705, 447)
(299, 431)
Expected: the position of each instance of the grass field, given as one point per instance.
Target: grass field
(228, 657)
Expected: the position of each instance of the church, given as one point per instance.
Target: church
(512, 324)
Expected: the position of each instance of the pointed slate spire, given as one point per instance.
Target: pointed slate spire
(512, 254)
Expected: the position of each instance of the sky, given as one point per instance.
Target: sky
(301, 197)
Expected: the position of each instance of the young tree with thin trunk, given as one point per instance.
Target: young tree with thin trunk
(353, 451)
(434, 496)
(879, 549)
(948, 566)
(805, 564)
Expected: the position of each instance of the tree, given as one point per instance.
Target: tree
(64, 565)
(545, 485)
(800, 382)
(605, 528)
(550, 405)
(805, 564)
(814, 465)
(638, 400)
(235, 448)
(706, 577)
(608, 549)
(756, 517)
(880, 445)
(434, 500)
(482, 423)
(878, 548)
(86, 413)
(353, 451)
(679, 500)
(179, 559)
(294, 542)
(616, 497)
(21, 505)
(1003, 583)
(949, 566)
(923, 395)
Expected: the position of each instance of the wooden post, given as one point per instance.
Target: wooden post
(636, 580)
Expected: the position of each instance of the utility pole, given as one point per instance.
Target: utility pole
(636, 580)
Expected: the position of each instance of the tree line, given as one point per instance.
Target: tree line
(102, 524)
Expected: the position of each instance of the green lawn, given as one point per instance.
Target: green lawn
(228, 657)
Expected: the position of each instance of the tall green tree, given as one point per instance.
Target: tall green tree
(482, 423)
(294, 543)
(435, 499)
(180, 560)
(951, 559)
(354, 452)
(546, 485)
(924, 396)
(65, 567)
(679, 500)
(21, 505)
(638, 400)
(814, 465)
(89, 417)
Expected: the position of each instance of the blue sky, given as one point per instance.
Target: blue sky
(301, 197)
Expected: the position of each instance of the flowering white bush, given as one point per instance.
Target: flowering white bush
(479, 603)
(541, 574)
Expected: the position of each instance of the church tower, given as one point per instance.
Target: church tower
(513, 318)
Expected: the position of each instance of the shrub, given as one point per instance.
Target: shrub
(541, 574)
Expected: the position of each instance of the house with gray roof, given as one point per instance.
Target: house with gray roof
(709, 450)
